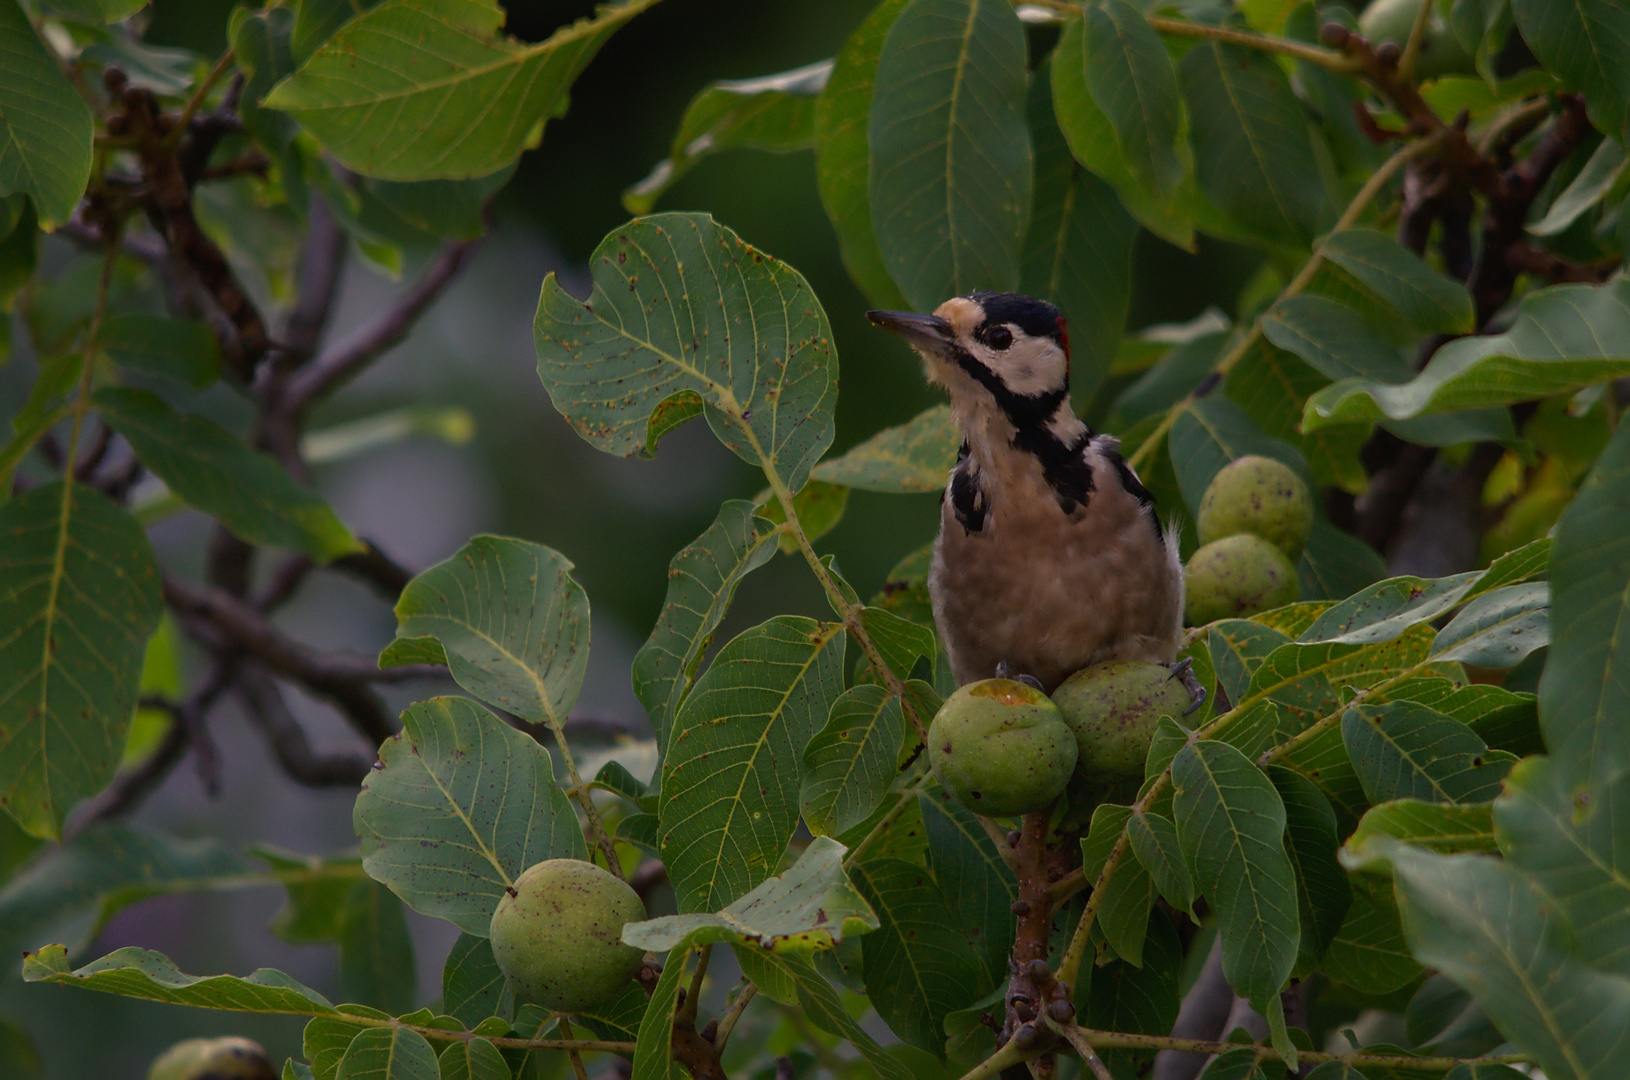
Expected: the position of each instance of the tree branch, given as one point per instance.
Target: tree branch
(351, 356)
(221, 620)
(266, 708)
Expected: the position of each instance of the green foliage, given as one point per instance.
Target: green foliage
(79, 594)
(45, 140)
(1404, 792)
(950, 168)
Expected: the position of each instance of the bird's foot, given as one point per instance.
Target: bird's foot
(1003, 672)
(1183, 671)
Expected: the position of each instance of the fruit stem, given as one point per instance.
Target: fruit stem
(727, 1022)
(576, 1058)
(693, 997)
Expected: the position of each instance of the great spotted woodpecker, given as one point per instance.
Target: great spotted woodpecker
(1049, 557)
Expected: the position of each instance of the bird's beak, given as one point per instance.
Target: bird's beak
(923, 331)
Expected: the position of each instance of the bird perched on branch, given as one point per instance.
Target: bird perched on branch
(1049, 557)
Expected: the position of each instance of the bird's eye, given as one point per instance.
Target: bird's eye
(999, 338)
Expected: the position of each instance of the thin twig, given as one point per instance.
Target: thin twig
(351, 356)
(1412, 47)
(1117, 1040)
(573, 1055)
(1313, 54)
(196, 101)
(727, 1022)
(266, 707)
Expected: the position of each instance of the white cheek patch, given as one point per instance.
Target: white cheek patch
(1031, 365)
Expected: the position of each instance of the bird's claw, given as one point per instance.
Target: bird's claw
(1004, 672)
(1183, 671)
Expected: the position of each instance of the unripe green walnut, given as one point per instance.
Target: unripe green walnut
(1236, 577)
(1261, 496)
(1001, 748)
(229, 1058)
(1113, 709)
(1441, 52)
(558, 935)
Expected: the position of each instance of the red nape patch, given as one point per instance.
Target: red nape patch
(1064, 341)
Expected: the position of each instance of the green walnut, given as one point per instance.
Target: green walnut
(1261, 496)
(557, 935)
(229, 1058)
(1441, 51)
(1236, 577)
(1113, 709)
(1001, 748)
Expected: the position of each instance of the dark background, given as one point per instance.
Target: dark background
(526, 474)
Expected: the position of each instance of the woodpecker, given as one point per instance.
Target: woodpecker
(1049, 557)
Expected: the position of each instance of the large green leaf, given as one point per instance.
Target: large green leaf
(1272, 386)
(142, 973)
(1120, 996)
(821, 1004)
(1238, 647)
(388, 1053)
(979, 887)
(1437, 826)
(180, 349)
(1499, 629)
(1565, 337)
(1322, 892)
(916, 456)
(1335, 340)
(1078, 249)
(472, 986)
(1585, 692)
(1404, 750)
(99, 872)
(473, 1059)
(45, 126)
(1253, 152)
(843, 155)
(702, 581)
(1369, 952)
(460, 804)
(1123, 909)
(1231, 823)
(1386, 609)
(1155, 843)
(1390, 273)
(376, 954)
(204, 464)
(653, 1053)
(775, 112)
(79, 596)
(850, 763)
(442, 93)
(682, 309)
(1093, 141)
(1308, 680)
(1212, 432)
(919, 968)
(1479, 922)
(950, 169)
(1132, 80)
(512, 623)
(1587, 44)
(1573, 842)
(731, 776)
(810, 907)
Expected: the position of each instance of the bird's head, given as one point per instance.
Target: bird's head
(1002, 348)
